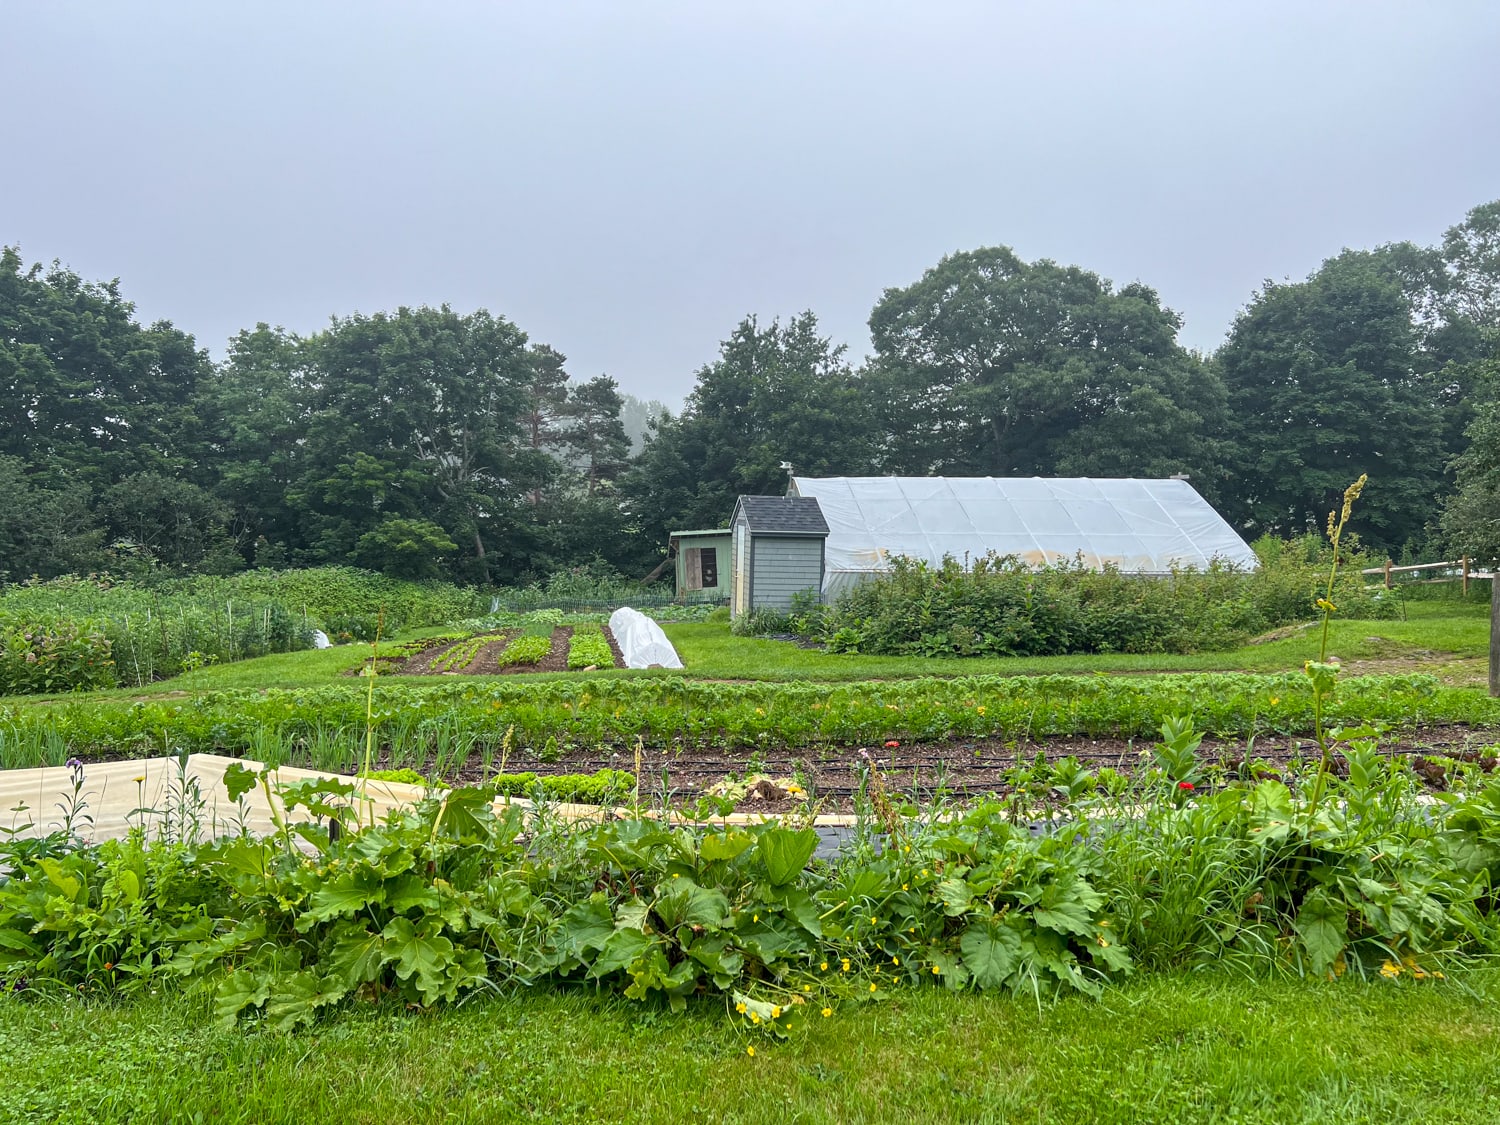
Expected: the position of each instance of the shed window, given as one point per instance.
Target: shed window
(708, 562)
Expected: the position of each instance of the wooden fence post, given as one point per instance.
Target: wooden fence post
(1387, 574)
(1494, 634)
(1466, 576)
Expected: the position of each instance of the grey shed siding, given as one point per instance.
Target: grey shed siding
(782, 566)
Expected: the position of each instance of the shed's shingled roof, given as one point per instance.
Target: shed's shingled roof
(783, 515)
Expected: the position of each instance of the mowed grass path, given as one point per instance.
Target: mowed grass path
(1166, 1050)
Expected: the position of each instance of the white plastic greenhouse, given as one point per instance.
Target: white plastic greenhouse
(1141, 526)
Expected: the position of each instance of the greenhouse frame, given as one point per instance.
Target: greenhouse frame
(1140, 526)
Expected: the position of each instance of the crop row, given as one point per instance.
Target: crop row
(526, 650)
(460, 655)
(589, 648)
(669, 712)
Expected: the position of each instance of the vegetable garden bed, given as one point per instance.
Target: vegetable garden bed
(546, 649)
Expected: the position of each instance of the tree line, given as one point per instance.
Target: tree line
(428, 442)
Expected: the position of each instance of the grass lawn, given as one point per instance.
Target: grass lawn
(1157, 1050)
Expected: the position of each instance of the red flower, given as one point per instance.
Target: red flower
(1185, 785)
(892, 744)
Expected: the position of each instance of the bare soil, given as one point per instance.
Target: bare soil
(972, 767)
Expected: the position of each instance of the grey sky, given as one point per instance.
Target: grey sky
(625, 181)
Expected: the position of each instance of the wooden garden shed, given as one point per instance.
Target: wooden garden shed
(776, 552)
(702, 562)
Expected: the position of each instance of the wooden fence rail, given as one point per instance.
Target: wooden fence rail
(1466, 572)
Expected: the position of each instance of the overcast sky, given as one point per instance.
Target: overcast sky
(625, 181)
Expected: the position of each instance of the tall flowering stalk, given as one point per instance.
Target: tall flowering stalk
(1322, 672)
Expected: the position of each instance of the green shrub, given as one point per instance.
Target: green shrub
(53, 657)
(1000, 606)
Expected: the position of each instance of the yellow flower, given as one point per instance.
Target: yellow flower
(1390, 970)
(936, 971)
(895, 960)
(675, 875)
(824, 966)
(776, 1013)
(755, 1017)
(827, 1012)
(905, 886)
(750, 1051)
(979, 710)
(844, 964)
(805, 988)
(1275, 699)
(740, 1007)
(872, 986)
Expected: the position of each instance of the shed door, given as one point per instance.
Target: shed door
(739, 577)
(692, 573)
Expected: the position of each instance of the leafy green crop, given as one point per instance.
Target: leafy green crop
(453, 894)
(669, 711)
(527, 649)
(459, 657)
(589, 648)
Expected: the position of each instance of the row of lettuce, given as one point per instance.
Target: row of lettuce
(542, 719)
(449, 898)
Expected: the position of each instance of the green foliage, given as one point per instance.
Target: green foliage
(1327, 380)
(150, 634)
(775, 393)
(450, 895)
(461, 655)
(412, 716)
(529, 648)
(347, 599)
(405, 548)
(1003, 607)
(56, 656)
(993, 366)
(601, 787)
(587, 647)
(405, 776)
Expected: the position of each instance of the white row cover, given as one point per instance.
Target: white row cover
(1141, 526)
(641, 641)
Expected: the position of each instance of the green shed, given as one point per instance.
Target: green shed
(702, 561)
(776, 552)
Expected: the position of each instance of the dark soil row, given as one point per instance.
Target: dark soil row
(980, 766)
